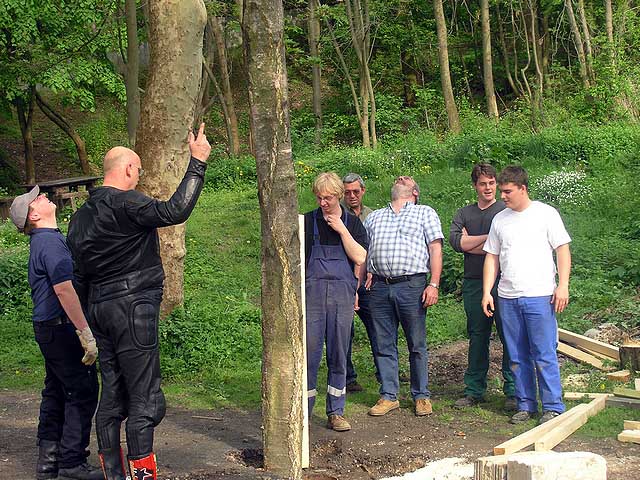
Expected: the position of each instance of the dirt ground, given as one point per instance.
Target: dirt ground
(226, 444)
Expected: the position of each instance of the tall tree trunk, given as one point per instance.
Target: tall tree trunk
(546, 48)
(535, 46)
(577, 39)
(505, 54)
(587, 40)
(409, 76)
(282, 355)
(176, 30)
(66, 127)
(133, 72)
(608, 21)
(314, 51)
(25, 119)
(445, 75)
(487, 63)
(230, 111)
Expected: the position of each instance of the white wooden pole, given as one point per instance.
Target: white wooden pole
(305, 402)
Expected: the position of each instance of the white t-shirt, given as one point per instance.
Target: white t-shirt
(524, 242)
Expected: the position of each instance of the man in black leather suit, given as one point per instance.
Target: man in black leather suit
(119, 275)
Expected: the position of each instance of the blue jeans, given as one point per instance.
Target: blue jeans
(399, 303)
(531, 332)
(365, 315)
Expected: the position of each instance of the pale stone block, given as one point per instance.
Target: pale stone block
(557, 466)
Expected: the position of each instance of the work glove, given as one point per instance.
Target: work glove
(89, 345)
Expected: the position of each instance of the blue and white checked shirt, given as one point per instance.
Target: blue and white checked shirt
(399, 243)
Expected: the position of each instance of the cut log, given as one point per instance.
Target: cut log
(580, 395)
(632, 436)
(589, 343)
(620, 376)
(626, 392)
(554, 465)
(577, 354)
(630, 356)
(527, 438)
(573, 423)
(631, 425)
(623, 402)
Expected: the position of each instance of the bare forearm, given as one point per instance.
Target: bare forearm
(471, 242)
(356, 252)
(563, 258)
(489, 273)
(71, 304)
(435, 261)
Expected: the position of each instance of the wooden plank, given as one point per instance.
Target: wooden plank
(632, 436)
(637, 383)
(577, 354)
(305, 400)
(626, 392)
(527, 438)
(580, 395)
(623, 402)
(631, 425)
(573, 423)
(589, 343)
(620, 376)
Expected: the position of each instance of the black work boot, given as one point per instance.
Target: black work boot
(84, 471)
(47, 466)
(112, 461)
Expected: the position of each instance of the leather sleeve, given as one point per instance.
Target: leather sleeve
(151, 213)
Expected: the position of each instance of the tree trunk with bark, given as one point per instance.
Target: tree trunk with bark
(132, 72)
(24, 110)
(608, 21)
(445, 75)
(487, 62)
(176, 29)
(66, 127)
(587, 40)
(282, 358)
(314, 51)
(230, 117)
(577, 39)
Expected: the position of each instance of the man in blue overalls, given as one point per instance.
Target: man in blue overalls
(335, 243)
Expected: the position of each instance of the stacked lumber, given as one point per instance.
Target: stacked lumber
(631, 432)
(587, 350)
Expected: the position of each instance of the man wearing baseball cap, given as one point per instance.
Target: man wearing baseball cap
(70, 393)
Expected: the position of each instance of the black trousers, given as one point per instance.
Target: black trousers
(126, 331)
(70, 393)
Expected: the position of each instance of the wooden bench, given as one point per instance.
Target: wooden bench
(66, 190)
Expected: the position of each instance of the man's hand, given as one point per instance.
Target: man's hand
(487, 305)
(560, 298)
(356, 307)
(368, 281)
(335, 222)
(89, 345)
(199, 147)
(429, 296)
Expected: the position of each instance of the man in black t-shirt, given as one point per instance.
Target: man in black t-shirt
(468, 233)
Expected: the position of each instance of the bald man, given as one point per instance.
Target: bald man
(113, 239)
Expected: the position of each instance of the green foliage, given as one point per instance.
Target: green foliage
(9, 176)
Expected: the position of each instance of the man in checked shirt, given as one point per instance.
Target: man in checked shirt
(405, 244)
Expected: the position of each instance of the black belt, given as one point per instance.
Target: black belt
(61, 320)
(398, 279)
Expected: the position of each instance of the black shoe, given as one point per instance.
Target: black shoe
(467, 401)
(354, 387)
(510, 404)
(47, 466)
(521, 417)
(84, 471)
(547, 415)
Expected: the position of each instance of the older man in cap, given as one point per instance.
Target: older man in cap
(70, 393)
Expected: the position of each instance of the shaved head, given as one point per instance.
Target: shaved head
(118, 157)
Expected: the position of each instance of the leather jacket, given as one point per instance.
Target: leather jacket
(113, 235)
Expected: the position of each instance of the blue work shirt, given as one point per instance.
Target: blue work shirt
(49, 264)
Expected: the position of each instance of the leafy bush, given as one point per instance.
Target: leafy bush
(562, 188)
(9, 176)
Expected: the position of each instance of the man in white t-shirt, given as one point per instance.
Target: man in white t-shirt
(521, 243)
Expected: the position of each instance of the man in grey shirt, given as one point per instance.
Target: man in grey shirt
(467, 235)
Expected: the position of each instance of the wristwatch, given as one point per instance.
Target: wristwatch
(434, 285)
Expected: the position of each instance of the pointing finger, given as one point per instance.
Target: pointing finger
(201, 131)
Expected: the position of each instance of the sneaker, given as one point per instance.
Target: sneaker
(467, 401)
(510, 404)
(354, 387)
(338, 423)
(84, 471)
(383, 406)
(547, 415)
(423, 407)
(521, 417)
